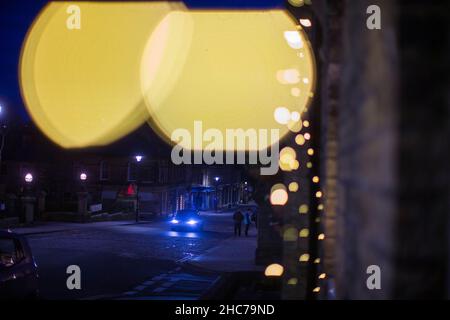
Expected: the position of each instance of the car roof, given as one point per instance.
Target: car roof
(187, 211)
(8, 234)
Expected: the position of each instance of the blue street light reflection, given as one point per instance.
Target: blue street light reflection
(183, 234)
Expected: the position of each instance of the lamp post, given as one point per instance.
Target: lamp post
(28, 200)
(138, 159)
(83, 178)
(216, 202)
(83, 197)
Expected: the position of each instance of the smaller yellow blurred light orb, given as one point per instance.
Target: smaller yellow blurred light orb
(300, 140)
(293, 187)
(290, 234)
(274, 270)
(304, 257)
(294, 126)
(303, 209)
(304, 233)
(282, 115)
(278, 195)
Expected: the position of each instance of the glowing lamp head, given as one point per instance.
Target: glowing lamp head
(83, 176)
(306, 22)
(138, 158)
(28, 178)
(192, 222)
(174, 221)
(217, 179)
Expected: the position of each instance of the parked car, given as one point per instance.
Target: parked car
(18, 269)
(187, 220)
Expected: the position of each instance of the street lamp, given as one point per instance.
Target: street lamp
(138, 160)
(217, 179)
(28, 178)
(83, 178)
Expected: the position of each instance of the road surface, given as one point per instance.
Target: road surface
(127, 260)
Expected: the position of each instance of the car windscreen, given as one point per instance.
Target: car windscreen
(186, 214)
(8, 252)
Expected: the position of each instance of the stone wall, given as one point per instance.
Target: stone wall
(367, 151)
(385, 156)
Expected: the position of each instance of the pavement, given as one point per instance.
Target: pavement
(235, 254)
(49, 227)
(124, 260)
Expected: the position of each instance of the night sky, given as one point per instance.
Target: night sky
(16, 17)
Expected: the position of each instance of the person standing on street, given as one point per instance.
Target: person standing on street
(254, 218)
(237, 217)
(247, 222)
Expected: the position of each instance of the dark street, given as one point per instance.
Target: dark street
(122, 259)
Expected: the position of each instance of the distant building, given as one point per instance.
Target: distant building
(113, 177)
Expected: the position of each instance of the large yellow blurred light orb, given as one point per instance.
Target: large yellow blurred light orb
(82, 86)
(131, 61)
(228, 69)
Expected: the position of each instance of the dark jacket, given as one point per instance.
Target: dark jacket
(238, 217)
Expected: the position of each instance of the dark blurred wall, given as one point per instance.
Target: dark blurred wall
(385, 147)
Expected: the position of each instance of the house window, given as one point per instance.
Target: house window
(132, 171)
(104, 170)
